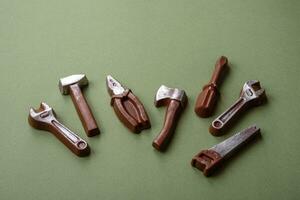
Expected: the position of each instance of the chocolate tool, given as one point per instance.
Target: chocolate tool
(176, 101)
(44, 119)
(72, 85)
(207, 99)
(127, 106)
(251, 95)
(208, 160)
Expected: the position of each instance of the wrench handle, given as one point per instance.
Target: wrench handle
(223, 121)
(87, 119)
(172, 114)
(77, 145)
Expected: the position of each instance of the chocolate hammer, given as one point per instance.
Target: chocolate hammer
(72, 85)
(44, 118)
(176, 101)
(207, 99)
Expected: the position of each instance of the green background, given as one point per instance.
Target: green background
(144, 44)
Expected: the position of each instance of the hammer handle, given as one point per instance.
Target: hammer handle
(172, 114)
(87, 119)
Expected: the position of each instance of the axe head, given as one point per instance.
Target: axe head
(165, 94)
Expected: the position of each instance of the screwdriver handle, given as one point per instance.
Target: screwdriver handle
(209, 95)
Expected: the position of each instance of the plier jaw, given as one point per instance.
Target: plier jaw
(113, 86)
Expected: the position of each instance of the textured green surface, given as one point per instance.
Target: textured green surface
(145, 44)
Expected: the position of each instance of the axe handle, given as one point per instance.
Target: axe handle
(172, 114)
(87, 119)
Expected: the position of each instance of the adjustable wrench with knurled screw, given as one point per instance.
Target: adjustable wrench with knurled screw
(251, 95)
(44, 118)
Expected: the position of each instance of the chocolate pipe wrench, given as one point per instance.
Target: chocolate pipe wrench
(44, 119)
(251, 95)
(208, 160)
(127, 106)
(176, 101)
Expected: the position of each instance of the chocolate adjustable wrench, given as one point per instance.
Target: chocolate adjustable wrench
(251, 95)
(208, 160)
(44, 119)
(127, 106)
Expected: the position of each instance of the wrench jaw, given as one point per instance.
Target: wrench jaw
(253, 92)
(42, 117)
(262, 98)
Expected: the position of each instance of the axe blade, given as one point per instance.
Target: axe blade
(165, 94)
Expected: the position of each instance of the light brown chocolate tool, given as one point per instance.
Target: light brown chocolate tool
(72, 85)
(127, 106)
(44, 119)
(176, 101)
(207, 99)
(208, 160)
(251, 95)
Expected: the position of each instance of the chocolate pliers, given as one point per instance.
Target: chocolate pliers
(127, 106)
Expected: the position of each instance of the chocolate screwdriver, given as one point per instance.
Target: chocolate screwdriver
(207, 99)
(208, 160)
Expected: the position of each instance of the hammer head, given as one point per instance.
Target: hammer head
(165, 94)
(65, 82)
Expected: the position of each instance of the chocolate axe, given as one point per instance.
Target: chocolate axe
(72, 85)
(176, 101)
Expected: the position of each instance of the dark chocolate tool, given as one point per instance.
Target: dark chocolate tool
(127, 106)
(207, 99)
(44, 119)
(208, 160)
(73, 84)
(176, 101)
(251, 95)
